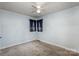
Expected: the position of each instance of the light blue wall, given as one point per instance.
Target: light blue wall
(62, 28)
(14, 29)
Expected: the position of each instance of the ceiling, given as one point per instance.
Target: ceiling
(27, 9)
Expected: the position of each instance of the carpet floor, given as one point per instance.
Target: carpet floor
(36, 48)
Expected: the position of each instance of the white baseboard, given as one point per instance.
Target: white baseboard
(49, 42)
(61, 46)
(18, 43)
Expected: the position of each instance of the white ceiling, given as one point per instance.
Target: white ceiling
(27, 9)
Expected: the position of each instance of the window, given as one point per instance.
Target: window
(36, 25)
(32, 25)
(40, 25)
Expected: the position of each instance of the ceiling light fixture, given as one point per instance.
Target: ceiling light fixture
(38, 7)
(38, 11)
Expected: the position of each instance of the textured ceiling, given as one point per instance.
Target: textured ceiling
(27, 9)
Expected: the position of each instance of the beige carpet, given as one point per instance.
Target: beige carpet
(36, 48)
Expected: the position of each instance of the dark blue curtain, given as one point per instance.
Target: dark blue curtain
(40, 25)
(32, 25)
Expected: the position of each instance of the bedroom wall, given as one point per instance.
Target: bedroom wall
(62, 28)
(14, 29)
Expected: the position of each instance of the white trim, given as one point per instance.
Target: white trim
(48, 43)
(60, 46)
(14, 45)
